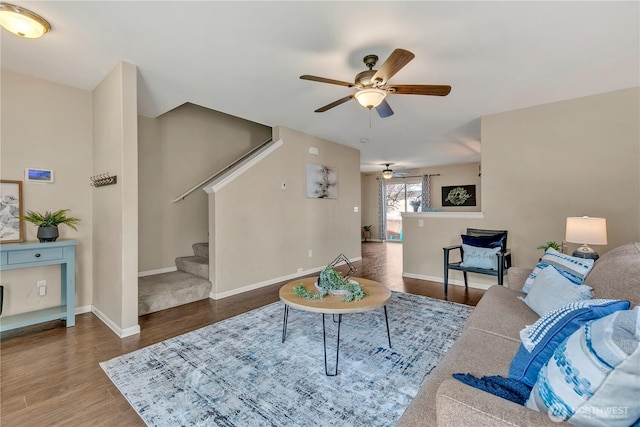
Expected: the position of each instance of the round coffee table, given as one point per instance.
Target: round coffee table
(378, 296)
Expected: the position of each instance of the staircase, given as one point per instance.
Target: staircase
(190, 283)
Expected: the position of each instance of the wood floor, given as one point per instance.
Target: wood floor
(50, 374)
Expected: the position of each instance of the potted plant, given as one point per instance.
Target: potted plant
(48, 223)
(367, 232)
(549, 244)
(415, 204)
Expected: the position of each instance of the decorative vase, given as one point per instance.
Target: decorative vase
(48, 234)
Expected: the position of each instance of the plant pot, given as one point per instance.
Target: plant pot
(48, 234)
(366, 235)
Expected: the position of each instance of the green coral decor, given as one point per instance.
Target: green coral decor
(549, 244)
(331, 281)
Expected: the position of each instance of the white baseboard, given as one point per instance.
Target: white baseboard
(221, 295)
(158, 271)
(455, 282)
(83, 309)
(122, 333)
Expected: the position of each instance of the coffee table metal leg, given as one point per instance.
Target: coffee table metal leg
(284, 322)
(324, 339)
(386, 318)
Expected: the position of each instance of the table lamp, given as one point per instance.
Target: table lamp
(586, 230)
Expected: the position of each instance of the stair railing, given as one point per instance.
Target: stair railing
(224, 170)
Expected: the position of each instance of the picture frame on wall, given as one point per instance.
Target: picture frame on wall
(459, 195)
(321, 182)
(11, 227)
(42, 176)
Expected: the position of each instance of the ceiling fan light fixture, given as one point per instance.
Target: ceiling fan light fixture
(370, 97)
(22, 22)
(387, 173)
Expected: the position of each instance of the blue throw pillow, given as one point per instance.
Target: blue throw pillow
(506, 388)
(593, 377)
(573, 268)
(493, 241)
(540, 340)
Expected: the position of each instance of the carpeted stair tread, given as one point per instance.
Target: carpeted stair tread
(162, 291)
(196, 265)
(201, 249)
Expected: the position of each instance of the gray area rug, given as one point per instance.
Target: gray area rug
(238, 372)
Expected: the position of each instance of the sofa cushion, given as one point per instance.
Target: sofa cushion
(551, 290)
(540, 340)
(501, 313)
(476, 352)
(593, 377)
(617, 274)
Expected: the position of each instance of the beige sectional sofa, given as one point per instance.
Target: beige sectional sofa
(491, 339)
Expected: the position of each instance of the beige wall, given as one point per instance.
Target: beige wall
(177, 151)
(541, 165)
(263, 233)
(48, 125)
(115, 207)
(463, 174)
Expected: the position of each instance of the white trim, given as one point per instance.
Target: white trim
(83, 309)
(158, 271)
(465, 215)
(221, 182)
(122, 333)
(455, 282)
(221, 295)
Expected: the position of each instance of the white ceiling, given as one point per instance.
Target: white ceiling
(245, 59)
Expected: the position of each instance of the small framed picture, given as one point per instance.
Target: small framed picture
(38, 175)
(11, 229)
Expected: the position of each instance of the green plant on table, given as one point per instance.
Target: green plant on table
(51, 219)
(549, 244)
(331, 280)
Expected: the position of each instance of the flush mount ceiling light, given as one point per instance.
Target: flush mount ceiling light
(387, 173)
(370, 98)
(22, 22)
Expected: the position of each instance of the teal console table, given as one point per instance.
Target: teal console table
(25, 255)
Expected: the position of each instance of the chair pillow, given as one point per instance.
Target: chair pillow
(551, 290)
(573, 268)
(540, 340)
(491, 241)
(473, 256)
(593, 377)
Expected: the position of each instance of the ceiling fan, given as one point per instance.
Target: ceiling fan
(388, 173)
(373, 84)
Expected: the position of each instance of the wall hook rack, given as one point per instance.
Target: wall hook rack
(103, 179)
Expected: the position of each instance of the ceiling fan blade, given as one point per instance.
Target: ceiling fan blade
(435, 90)
(398, 59)
(384, 109)
(325, 80)
(334, 104)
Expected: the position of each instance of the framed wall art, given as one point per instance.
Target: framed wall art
(322, 181)
(459, 195)
(11, 228)
(43, 176)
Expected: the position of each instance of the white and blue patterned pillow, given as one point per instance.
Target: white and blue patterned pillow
(573, 268)
(593, 377)
(552, 290)
(540, 340)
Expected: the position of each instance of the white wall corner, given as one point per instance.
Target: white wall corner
(221, 182)
(122, 333)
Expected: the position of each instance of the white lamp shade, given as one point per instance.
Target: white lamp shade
(370, 98)
(387, 174)
(586, 230)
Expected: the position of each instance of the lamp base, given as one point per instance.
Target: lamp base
(587, 255)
